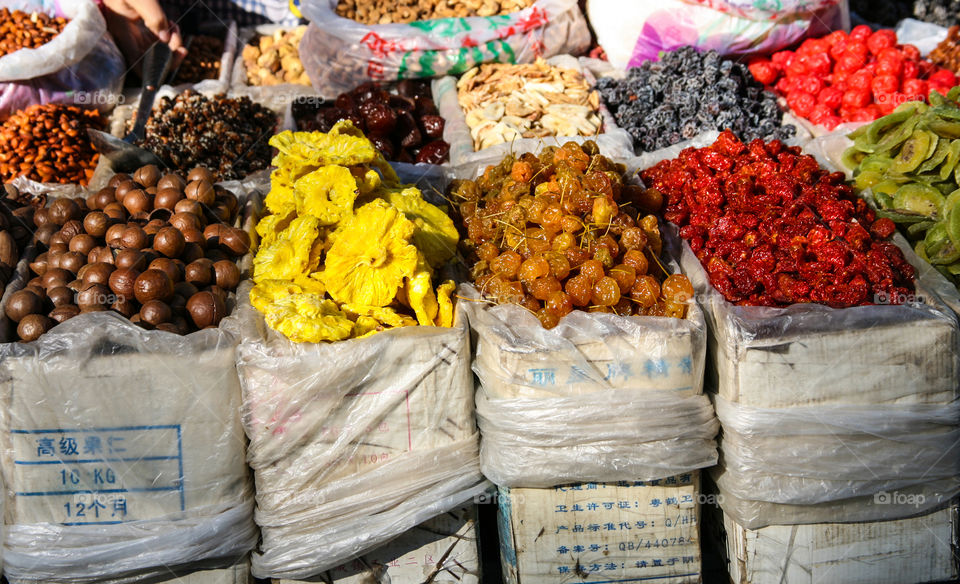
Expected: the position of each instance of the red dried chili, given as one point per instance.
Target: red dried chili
(773, 228)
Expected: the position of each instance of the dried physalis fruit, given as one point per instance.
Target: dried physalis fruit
(562, 231)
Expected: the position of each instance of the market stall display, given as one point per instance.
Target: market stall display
(402, 121)
(272, 59)
(49, 143)
(405, 257)
(688, 92)
(851, 78)
(227, 136)
(589, 354)
(783, 397)
(152, 449)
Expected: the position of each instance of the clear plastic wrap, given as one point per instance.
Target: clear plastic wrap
(353, 443)
(120, 463)
(338, 52)
(598, 398)
(923, 35)
(731, 28)
(824, 409)
(81, 65)
(614, 142)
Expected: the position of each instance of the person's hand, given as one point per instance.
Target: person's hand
(137, 24)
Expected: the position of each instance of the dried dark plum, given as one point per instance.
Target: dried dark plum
(380, 120)
(400, 103)
(435, 152)
(384, 145)
(432, 126)
(345, 101)
(333, 115)
(426, 107)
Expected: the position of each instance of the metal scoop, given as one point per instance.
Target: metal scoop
(123, 155)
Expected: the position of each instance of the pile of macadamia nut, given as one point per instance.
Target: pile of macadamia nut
(157, 248)
(403, 11)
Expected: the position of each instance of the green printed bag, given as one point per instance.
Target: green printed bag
(338, 52)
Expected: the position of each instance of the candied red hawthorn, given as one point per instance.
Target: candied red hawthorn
(773, 228)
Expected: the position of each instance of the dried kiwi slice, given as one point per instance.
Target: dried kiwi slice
(950, 163)
(939, 247)
(912, 153)
(866, 179)
(918, 229)
(852, 157)
(869, 140)
(936, 158)
(918, 198)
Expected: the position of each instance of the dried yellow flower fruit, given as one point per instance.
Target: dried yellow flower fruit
(289, 255)
(436, 235)
(304, 318)
(327, 194)
(371, 256)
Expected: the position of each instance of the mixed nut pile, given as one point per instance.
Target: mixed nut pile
(506, 102)
(49, 143)
(275, 59)
(401, 11)
(157, 248)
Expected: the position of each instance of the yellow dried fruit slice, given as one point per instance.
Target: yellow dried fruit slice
(445, 300)
(289, 255)
(436, 235)
(304, 318)
(422, 299)
(266, 292)
(327, 194)
(371, 256)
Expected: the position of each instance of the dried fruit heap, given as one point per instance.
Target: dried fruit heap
(503, 102)
(561, 232)
(909, 161)
(405, 126)
(688, 92)
(850, 78)
(772, 228)
(347, 250)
